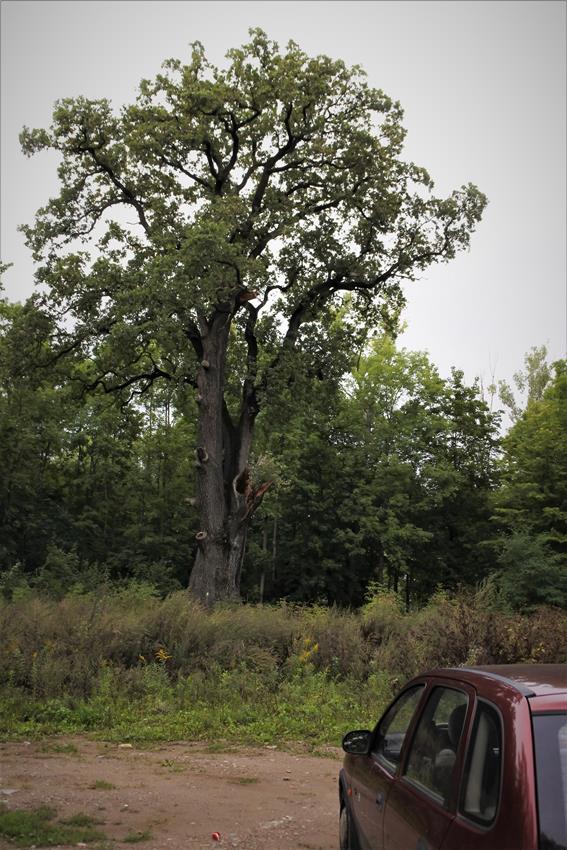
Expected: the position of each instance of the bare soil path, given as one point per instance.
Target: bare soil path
(256, 798)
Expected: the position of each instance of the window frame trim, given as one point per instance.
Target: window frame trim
(393, 771)
(552, 712)
(460, 812)
(469, 692)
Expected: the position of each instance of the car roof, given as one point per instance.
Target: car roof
(531, 680)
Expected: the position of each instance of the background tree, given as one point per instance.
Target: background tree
(390, 476)
(529, 383)
(383, 474)
(87, 489)
(31, 437)
(261, 193)
(531, 505)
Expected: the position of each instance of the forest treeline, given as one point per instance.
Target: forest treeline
(381, 473)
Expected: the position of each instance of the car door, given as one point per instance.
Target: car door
(422, 800)
(372, 776)
(497, 806)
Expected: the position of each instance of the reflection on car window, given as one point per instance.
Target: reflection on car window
(392, 730)
(482, 772)
(433, 751)
(550, 736)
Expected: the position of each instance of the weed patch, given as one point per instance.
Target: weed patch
(69, 749)
(136, 837)
(134, 668)
(173, 766)
(40, 829)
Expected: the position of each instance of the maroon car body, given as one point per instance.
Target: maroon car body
(462, 759)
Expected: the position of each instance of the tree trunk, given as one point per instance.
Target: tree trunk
(226, 498)
(274, 548)
(264, 559)
(408, 591)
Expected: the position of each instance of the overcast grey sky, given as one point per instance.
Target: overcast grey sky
(483, 88)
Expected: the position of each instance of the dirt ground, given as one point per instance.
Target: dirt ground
(257, 799)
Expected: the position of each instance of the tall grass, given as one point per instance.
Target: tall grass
(129, 665)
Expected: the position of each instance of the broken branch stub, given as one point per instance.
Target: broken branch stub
(201, 456)
(200, 537)
(241, 483)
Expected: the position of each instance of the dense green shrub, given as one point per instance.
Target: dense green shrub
(128, 664)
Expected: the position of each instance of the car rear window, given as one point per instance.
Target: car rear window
(550, 739)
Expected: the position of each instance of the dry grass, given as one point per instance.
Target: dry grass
(50, 647)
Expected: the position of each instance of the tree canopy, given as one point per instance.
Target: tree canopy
(207, 234)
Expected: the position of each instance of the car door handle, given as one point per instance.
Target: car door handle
(380, 800)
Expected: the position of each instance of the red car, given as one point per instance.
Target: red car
(462, 759)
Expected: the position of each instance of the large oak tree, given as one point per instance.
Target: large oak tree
(255, 197)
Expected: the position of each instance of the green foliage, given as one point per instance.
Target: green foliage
(215, 165)
(32, 420)
(389, 478)
(529, 383)
(59, 572)
(136, 837)
(274, 224)
(69, 749)
(531, 573)
(387, 475)
(382, 613)
(89, 492)
(145, 669)
(14, 582)
(531, 505)
(38, 828)
(454, 631)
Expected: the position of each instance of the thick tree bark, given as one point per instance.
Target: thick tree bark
(226, 499)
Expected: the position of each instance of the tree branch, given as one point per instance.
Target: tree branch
(215, 163)
(175, 164)
(192, 333)
(147, 377)
(248, 388)
(127, 194)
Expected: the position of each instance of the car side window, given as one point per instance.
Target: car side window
(390, 734)
(433, 751)
(481, 786)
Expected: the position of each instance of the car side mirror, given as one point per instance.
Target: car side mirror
(357, 743)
